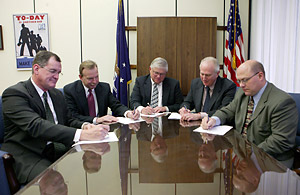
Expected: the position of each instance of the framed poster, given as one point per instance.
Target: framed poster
(31, 36)
(1, 38)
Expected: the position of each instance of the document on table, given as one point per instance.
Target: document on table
(154, 114)
(175, 115)
(127, 121)
(111, 137)
(217, 130)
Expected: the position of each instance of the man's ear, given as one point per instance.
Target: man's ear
(35, 68)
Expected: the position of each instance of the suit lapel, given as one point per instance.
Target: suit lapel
(165, 92)
(199, 95)
(261, 104)
(148, 89)
(215, 93)
(82, 97)
(100, 100)
(57, 106)
(36, 98)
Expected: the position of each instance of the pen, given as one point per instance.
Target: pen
(149, 105)
(134, 110)
(185, 107)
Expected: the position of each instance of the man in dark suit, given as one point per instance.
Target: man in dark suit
(221, 92)
(77, 97)
(168, 95)
(38, 126)
(264, 114)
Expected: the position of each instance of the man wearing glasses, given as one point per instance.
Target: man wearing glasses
(155, 92)
(38, 127)
(264, 114)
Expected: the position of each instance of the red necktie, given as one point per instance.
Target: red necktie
(91, 103)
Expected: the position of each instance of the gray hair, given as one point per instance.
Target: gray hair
(159, 63)
(212, 59)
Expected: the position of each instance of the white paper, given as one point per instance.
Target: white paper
(175, 115)
(111, 137)
(127, 121)
(154, 114)
(217, 130)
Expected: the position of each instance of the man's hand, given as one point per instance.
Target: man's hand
(183, 111)
(147, 110)
(191, 116)
(135, 115)
(159, 109)
(94, 132)
(208, 123)
(106, 119)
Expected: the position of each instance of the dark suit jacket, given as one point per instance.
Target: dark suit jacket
(141, 94)
(77, 102)
(26, 128)
(273, 125)
(222, 95)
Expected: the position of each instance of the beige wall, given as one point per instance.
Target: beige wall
(98, 31)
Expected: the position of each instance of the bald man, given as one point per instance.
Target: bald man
(272, 125)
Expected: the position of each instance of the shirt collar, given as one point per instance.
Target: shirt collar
(86, 89)
(152, 82)
(257, 96)
(39, 90)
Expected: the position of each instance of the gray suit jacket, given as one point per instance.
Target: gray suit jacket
(26, 129)
(141, 94)
(222, 95)
(273, 125)
(77, 102)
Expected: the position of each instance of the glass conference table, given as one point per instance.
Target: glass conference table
(174, 160)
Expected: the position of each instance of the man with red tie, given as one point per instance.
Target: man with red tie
(88, 99)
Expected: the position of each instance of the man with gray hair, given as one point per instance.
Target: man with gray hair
(208, 93)
(155, 92)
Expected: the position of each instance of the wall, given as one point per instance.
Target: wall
(86, 29)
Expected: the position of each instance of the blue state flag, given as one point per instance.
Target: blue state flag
(122, 75)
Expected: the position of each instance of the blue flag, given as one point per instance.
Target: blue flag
(122, 75)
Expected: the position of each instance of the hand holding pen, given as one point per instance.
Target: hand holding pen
(208, 123)
(147, 110)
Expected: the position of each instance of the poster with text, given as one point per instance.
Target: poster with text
(31, 36)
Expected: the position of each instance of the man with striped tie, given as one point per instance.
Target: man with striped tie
(155, 92)
(264, 114)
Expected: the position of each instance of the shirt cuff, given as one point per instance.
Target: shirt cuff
(140, 108)
(167, 109)
(77, 135)
(95, 121)
(125, 114)
(218, 121)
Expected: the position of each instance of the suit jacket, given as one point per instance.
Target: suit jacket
(141, 94)
(26, 128)
(78, 105)
(273, 125)
(222, 95)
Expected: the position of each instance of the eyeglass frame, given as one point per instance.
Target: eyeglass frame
(157, 73)
(52, 71)
(245, 80)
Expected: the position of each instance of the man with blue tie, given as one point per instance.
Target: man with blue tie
(208, 93)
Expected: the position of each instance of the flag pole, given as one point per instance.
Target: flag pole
(234, 35)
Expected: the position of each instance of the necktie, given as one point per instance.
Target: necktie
(53, 150)
(248, 116)
(49, 115)
(91, 103)
(207, 100)
(154, 97)
(155, 125)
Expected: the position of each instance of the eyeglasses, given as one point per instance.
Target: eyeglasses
(160, 74)
(245, 80)
(53, 71)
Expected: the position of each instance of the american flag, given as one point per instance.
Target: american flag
(234, 49)
(122, 75)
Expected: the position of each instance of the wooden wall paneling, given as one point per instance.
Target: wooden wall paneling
(156, 38)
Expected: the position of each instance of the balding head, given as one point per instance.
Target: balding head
(251, 76)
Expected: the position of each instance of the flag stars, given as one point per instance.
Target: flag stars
(124, 65)
(121, 80)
